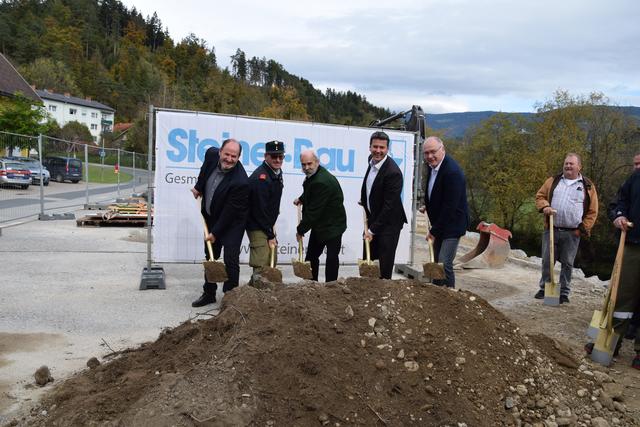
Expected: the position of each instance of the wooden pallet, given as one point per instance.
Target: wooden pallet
(119, 220)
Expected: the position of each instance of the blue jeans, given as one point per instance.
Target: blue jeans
(566, 248)
(444, 250)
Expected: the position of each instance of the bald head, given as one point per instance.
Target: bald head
(309, 161)
(433, 150)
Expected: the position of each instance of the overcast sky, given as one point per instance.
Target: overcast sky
(445, 55)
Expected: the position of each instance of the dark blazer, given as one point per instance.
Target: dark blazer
(385, 212)
(322, 206)
(447, 206)
(230, 201)
(627, 204)
(265, 192)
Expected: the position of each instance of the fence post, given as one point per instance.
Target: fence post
(133, 155)
(152, 275)
(86, 168)
(118, 174)
(41, 175)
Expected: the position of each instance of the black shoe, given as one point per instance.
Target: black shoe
(564, 299)
(205, 299)
(539, 294)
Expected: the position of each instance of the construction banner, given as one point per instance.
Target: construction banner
(182, 138)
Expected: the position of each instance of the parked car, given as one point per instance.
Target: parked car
(64, 168)
(34, 167)
(14, 173)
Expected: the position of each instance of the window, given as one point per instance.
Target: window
(73, 111)
(84, 113)
(94, 115)
(94, 126)
(52, 108)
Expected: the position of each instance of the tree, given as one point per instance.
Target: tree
(20, 115)
(46, 73)
(285, 105)
(239, 65)
(76, 132)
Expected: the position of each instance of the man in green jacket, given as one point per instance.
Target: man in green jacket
(323, 213)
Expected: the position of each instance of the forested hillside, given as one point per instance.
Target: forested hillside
(126, 59)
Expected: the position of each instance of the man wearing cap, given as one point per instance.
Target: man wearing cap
(265, 192)
(380, 196)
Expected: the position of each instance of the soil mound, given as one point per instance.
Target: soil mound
(352, 352)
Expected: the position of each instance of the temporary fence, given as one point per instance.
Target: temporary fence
(65, 175)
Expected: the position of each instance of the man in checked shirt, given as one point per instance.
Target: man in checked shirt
(572, 200)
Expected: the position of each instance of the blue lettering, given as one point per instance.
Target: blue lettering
(345, 167)
(257, 153)
(204, 146)
(299, 145)
(330, 164)
(181, 150)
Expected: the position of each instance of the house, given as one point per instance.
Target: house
(12, 82)
(64, 108)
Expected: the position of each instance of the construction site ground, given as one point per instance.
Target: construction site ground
(353, 352)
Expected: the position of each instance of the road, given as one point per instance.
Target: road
(17, 204)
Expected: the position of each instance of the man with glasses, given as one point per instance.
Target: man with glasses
(265, 192)
(445, 201)
(380, 197)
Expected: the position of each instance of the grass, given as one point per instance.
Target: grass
(105, 175)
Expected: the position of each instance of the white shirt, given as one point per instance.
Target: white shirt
(568, 201)
(373, 172)
(432, 177)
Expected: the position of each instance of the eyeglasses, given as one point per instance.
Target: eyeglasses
(277, 156)
(432, 152)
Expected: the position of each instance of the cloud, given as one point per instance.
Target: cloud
(495, 54)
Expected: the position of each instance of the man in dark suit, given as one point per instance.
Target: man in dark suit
(224, 187)
(446, 205)
(380, 197)
(323, 213)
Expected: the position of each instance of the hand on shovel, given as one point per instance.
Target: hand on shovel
(367, 236)
(622, 223)
(430, 237)
(210, 238)
(549, 211)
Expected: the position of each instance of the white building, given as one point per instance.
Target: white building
(64, 108)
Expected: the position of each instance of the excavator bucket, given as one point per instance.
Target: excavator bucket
(492, 249)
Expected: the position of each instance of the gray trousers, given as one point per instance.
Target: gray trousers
(566, 247)
(445, 251)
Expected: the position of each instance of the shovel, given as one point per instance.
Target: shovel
(271, 273)
(606, 339)
(214, 271)
(367, 267)
(551, 289)
(301, 268)
(599, 316)
(432, 270)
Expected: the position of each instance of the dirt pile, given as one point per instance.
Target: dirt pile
(352, 352)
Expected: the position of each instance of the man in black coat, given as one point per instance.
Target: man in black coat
(380, 197)
(445, 201)
(265, 192)
(224, 187)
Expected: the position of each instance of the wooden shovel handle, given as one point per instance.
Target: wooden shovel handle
(615, 277)
(300, 245)
(208, 242)
(367, 244)
(552, 258)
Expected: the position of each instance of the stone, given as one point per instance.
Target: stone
(380, 365)
(460, 360)
(599, 422)
(606, 401)
(619, 407)
(400, 354)
(43, 376)
(582, 392)
(601, 377)
(522, 390)
(349, 312)
(613, 390)
(509, 403)
(411, 365)
(93, 363)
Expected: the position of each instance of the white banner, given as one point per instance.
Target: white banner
(182, 138)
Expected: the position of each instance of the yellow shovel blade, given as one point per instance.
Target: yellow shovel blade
(595, 325)
(369, 268)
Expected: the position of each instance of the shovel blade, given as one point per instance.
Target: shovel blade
(604, 346)
(302, 269)
(433, 270)
(271, 274)
(551, 294)
(215, 271)
(370, 269)
(594, 326)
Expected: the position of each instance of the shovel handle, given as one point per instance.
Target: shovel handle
(300, 246)
(272, 250)
(367, 244)
(208, 242)
(430, 243)
(552, 257)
